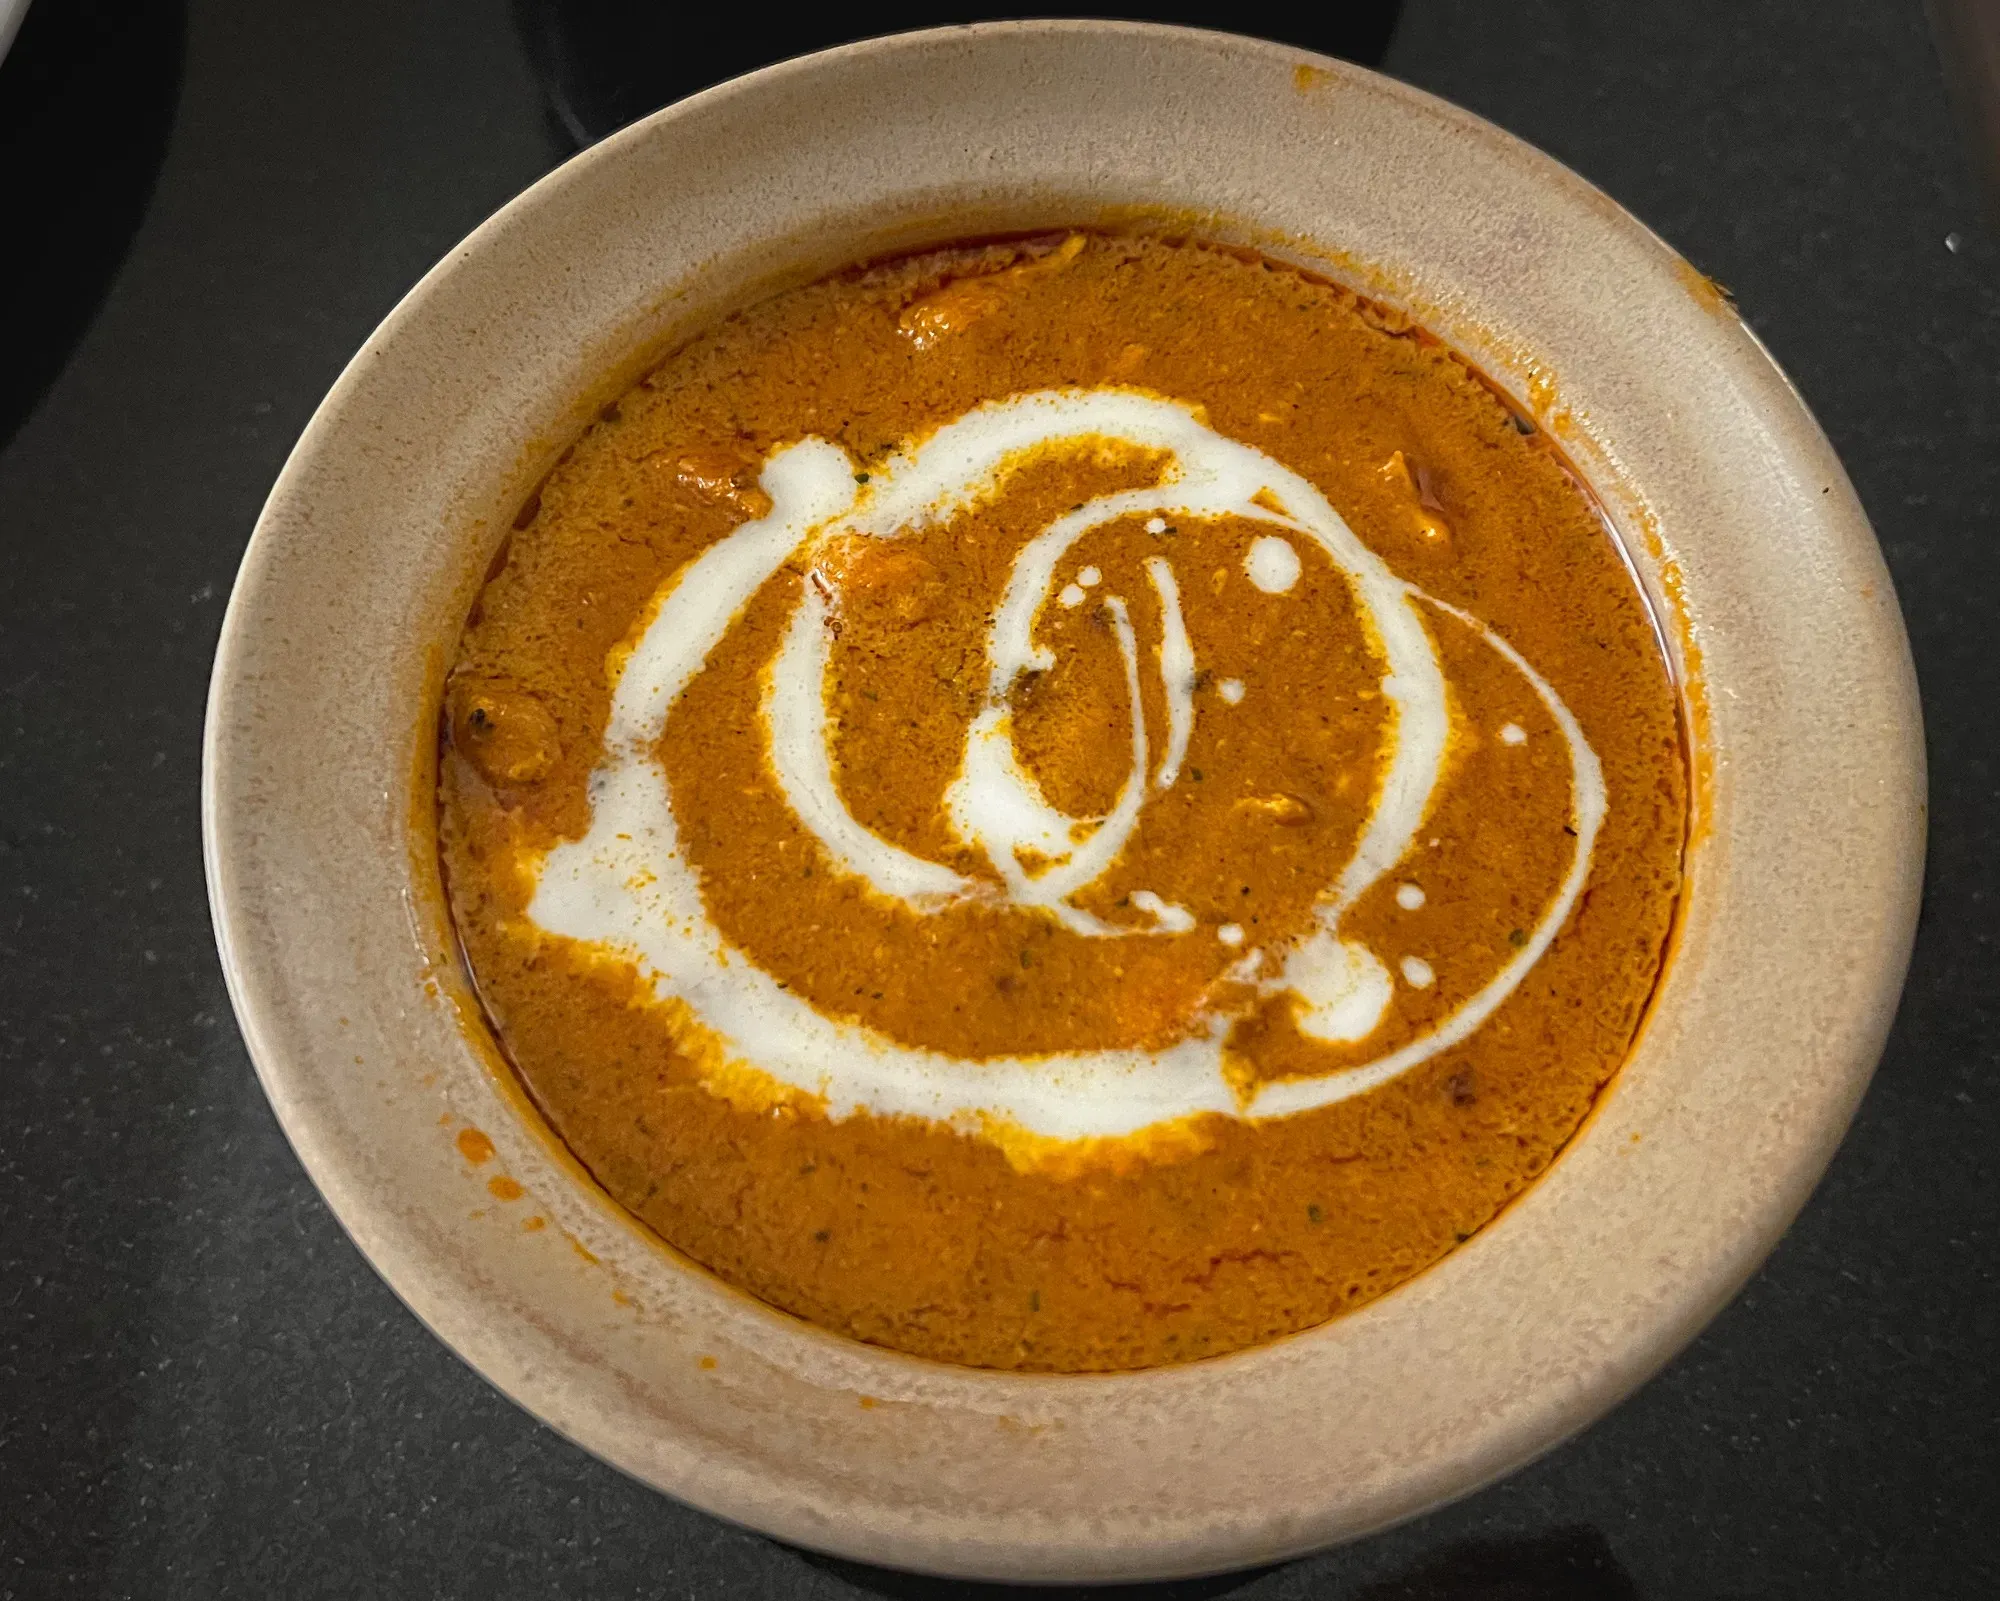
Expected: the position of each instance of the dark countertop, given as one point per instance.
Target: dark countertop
(204, 1389)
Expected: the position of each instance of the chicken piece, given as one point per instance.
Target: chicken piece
(1284, 808)
(509, 736)
(883, 581)
(1414, 485)
(722, 475)
(959, 304)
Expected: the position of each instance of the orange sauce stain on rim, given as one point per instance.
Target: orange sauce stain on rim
(1710, 295)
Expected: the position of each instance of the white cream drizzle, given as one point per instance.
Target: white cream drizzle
(1167, 917)
(1177, 669)
(626, 885)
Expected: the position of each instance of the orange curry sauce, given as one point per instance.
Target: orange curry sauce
(958, 1242)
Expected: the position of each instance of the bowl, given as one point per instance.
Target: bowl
(1803, 868)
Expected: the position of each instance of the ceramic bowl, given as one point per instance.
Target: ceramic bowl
(1784, 971)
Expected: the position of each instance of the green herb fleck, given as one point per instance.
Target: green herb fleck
(1314, 1214)
(1516, 938)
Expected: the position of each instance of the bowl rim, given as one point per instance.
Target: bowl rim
(243, 887)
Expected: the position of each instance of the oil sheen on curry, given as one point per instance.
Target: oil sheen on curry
(1070, 804)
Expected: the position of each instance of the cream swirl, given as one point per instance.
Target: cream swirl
(628, 887)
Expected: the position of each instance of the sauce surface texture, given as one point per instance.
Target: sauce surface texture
(1068, 804)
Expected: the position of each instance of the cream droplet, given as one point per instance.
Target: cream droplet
(1417, 973)
(1156, 525)
(1231, 691)
(1343, 987)
(1230, 933)
(1272, 564)
(1088, 577)
(1513, 734)
(1071, 595)
(1409, 897)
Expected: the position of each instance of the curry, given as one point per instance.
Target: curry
(1071, 803)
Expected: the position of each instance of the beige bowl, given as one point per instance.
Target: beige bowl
(1804, 871)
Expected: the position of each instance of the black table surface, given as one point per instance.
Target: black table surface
(205, 1390)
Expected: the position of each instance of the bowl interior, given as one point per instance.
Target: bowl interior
(1738, 520)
